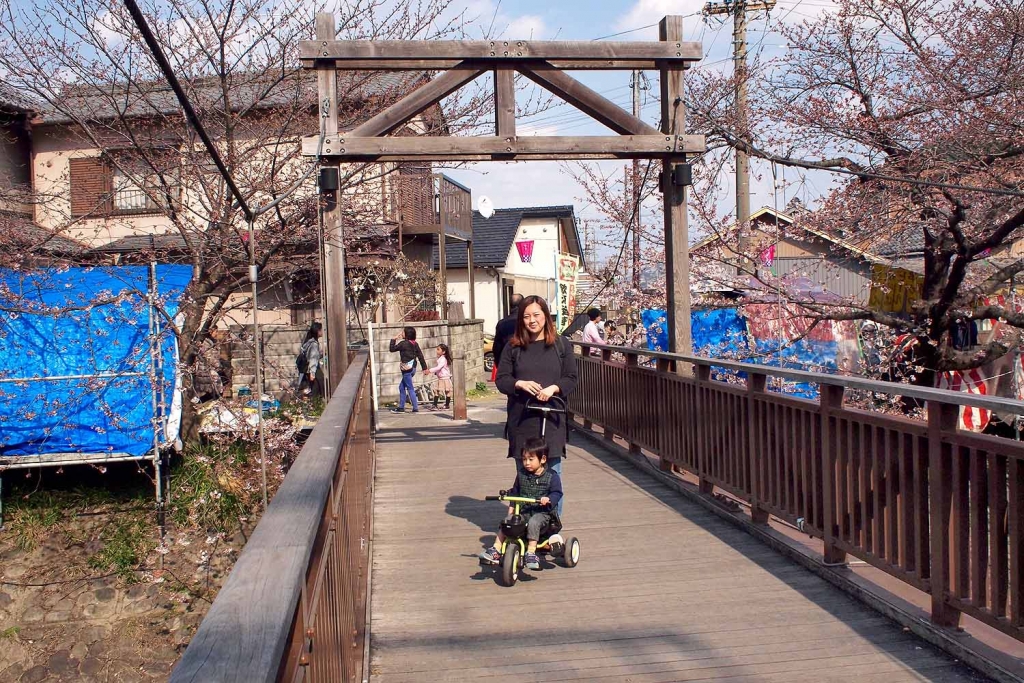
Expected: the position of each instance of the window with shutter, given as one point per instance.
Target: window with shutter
(91, 187)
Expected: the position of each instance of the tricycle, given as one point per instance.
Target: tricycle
(513, 550)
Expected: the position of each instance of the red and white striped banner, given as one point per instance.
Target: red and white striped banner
(972, 418)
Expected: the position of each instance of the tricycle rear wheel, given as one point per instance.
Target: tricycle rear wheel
(572, 552)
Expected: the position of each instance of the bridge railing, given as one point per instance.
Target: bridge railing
(938, 508)
(294, 606)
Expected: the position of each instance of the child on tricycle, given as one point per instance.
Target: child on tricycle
(531, 513)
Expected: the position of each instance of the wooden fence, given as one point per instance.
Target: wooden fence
(294, 606)
(938, 508)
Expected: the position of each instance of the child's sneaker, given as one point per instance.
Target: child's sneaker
(491, 556)
(532, 561)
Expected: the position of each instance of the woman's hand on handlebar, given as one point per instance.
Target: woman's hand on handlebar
(530, 387)
(546, 393)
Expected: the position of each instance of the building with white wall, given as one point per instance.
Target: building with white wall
(500, 269)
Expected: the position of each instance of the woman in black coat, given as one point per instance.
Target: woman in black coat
(536, 365)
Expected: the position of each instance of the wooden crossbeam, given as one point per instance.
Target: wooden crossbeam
(417, 101)
(441, 54)
(588, 101)
(348, 149)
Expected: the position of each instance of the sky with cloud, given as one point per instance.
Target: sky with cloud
(543, 183)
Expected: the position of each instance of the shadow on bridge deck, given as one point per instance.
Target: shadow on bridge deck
(665, 591)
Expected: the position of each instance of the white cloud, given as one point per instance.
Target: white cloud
(646, 12)
(528, 26)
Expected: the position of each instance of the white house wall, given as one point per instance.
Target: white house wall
(545, 236)
(488, 294)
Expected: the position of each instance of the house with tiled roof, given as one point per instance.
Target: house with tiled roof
(100, 163)
(513, 253)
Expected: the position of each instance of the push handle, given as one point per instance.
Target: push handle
(555, 404)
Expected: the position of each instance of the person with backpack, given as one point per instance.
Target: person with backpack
(536, 364)
(408, 353)
(309, 363)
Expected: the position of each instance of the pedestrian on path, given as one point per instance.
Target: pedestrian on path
(535, 365)
(310, 364)
(503, 332)
(408, 353)
(443, 372)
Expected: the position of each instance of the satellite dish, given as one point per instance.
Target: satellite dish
(484, 206)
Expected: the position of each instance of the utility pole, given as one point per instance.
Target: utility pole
(635, 85)
(738, 9)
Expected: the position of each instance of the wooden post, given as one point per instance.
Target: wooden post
(677, 249)
(459, 386)
(704, 440)
(831, 403)
(472, 281)
(632, 417)
(942, 417)
(607, 408)
(755, 388)
(333, 287)
(442, 265)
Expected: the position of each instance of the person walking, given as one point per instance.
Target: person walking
(592, 331)
(310, 363)
(536, 364)
(443, 372)
(408, 353)
(503, 332)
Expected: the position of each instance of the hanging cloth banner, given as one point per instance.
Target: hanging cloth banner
(525, 248)
(767, 257)
(566, 271)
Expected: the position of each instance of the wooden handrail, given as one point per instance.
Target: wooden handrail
(1006, 405)
(936, 507)
(245, 635)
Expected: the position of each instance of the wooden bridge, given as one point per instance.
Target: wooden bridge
(712, 516)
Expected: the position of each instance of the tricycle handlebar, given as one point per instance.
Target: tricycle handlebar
(513, 499)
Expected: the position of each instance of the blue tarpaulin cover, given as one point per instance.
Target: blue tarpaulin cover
(82, 322)
(725, 333)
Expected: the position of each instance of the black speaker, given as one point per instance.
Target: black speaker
(328, 179)
(682, 175)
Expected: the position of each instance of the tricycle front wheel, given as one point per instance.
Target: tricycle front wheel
(510, 564)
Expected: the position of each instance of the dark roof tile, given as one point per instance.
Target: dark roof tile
(493, 237)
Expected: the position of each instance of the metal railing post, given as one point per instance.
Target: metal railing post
(755, 387)
(831, 403)
(942, 417)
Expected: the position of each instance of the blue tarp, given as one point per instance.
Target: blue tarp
(82, 322)
(723, 333)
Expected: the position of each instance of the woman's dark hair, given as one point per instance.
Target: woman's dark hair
(447, 353)
(522, 336)
(536, 446)
(410, 333)
(312, 333)
(594, 313)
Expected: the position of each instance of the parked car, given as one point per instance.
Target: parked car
(488, 352)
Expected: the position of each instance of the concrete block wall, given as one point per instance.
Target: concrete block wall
(465, 337)
(280, 346)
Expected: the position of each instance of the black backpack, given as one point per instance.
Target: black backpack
(301, 362)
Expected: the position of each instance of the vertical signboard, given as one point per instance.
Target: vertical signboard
(567, 267)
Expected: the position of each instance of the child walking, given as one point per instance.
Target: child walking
(534, 480)
(443, 372)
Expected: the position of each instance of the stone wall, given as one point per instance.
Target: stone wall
(464, 338)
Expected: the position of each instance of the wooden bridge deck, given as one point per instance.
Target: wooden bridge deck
(665, 591)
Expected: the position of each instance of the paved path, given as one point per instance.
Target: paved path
(665, 591)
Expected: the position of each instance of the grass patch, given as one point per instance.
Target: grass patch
(479, 391)
(207, 490)
(33, 518)
(10, 633)
(125, 544)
